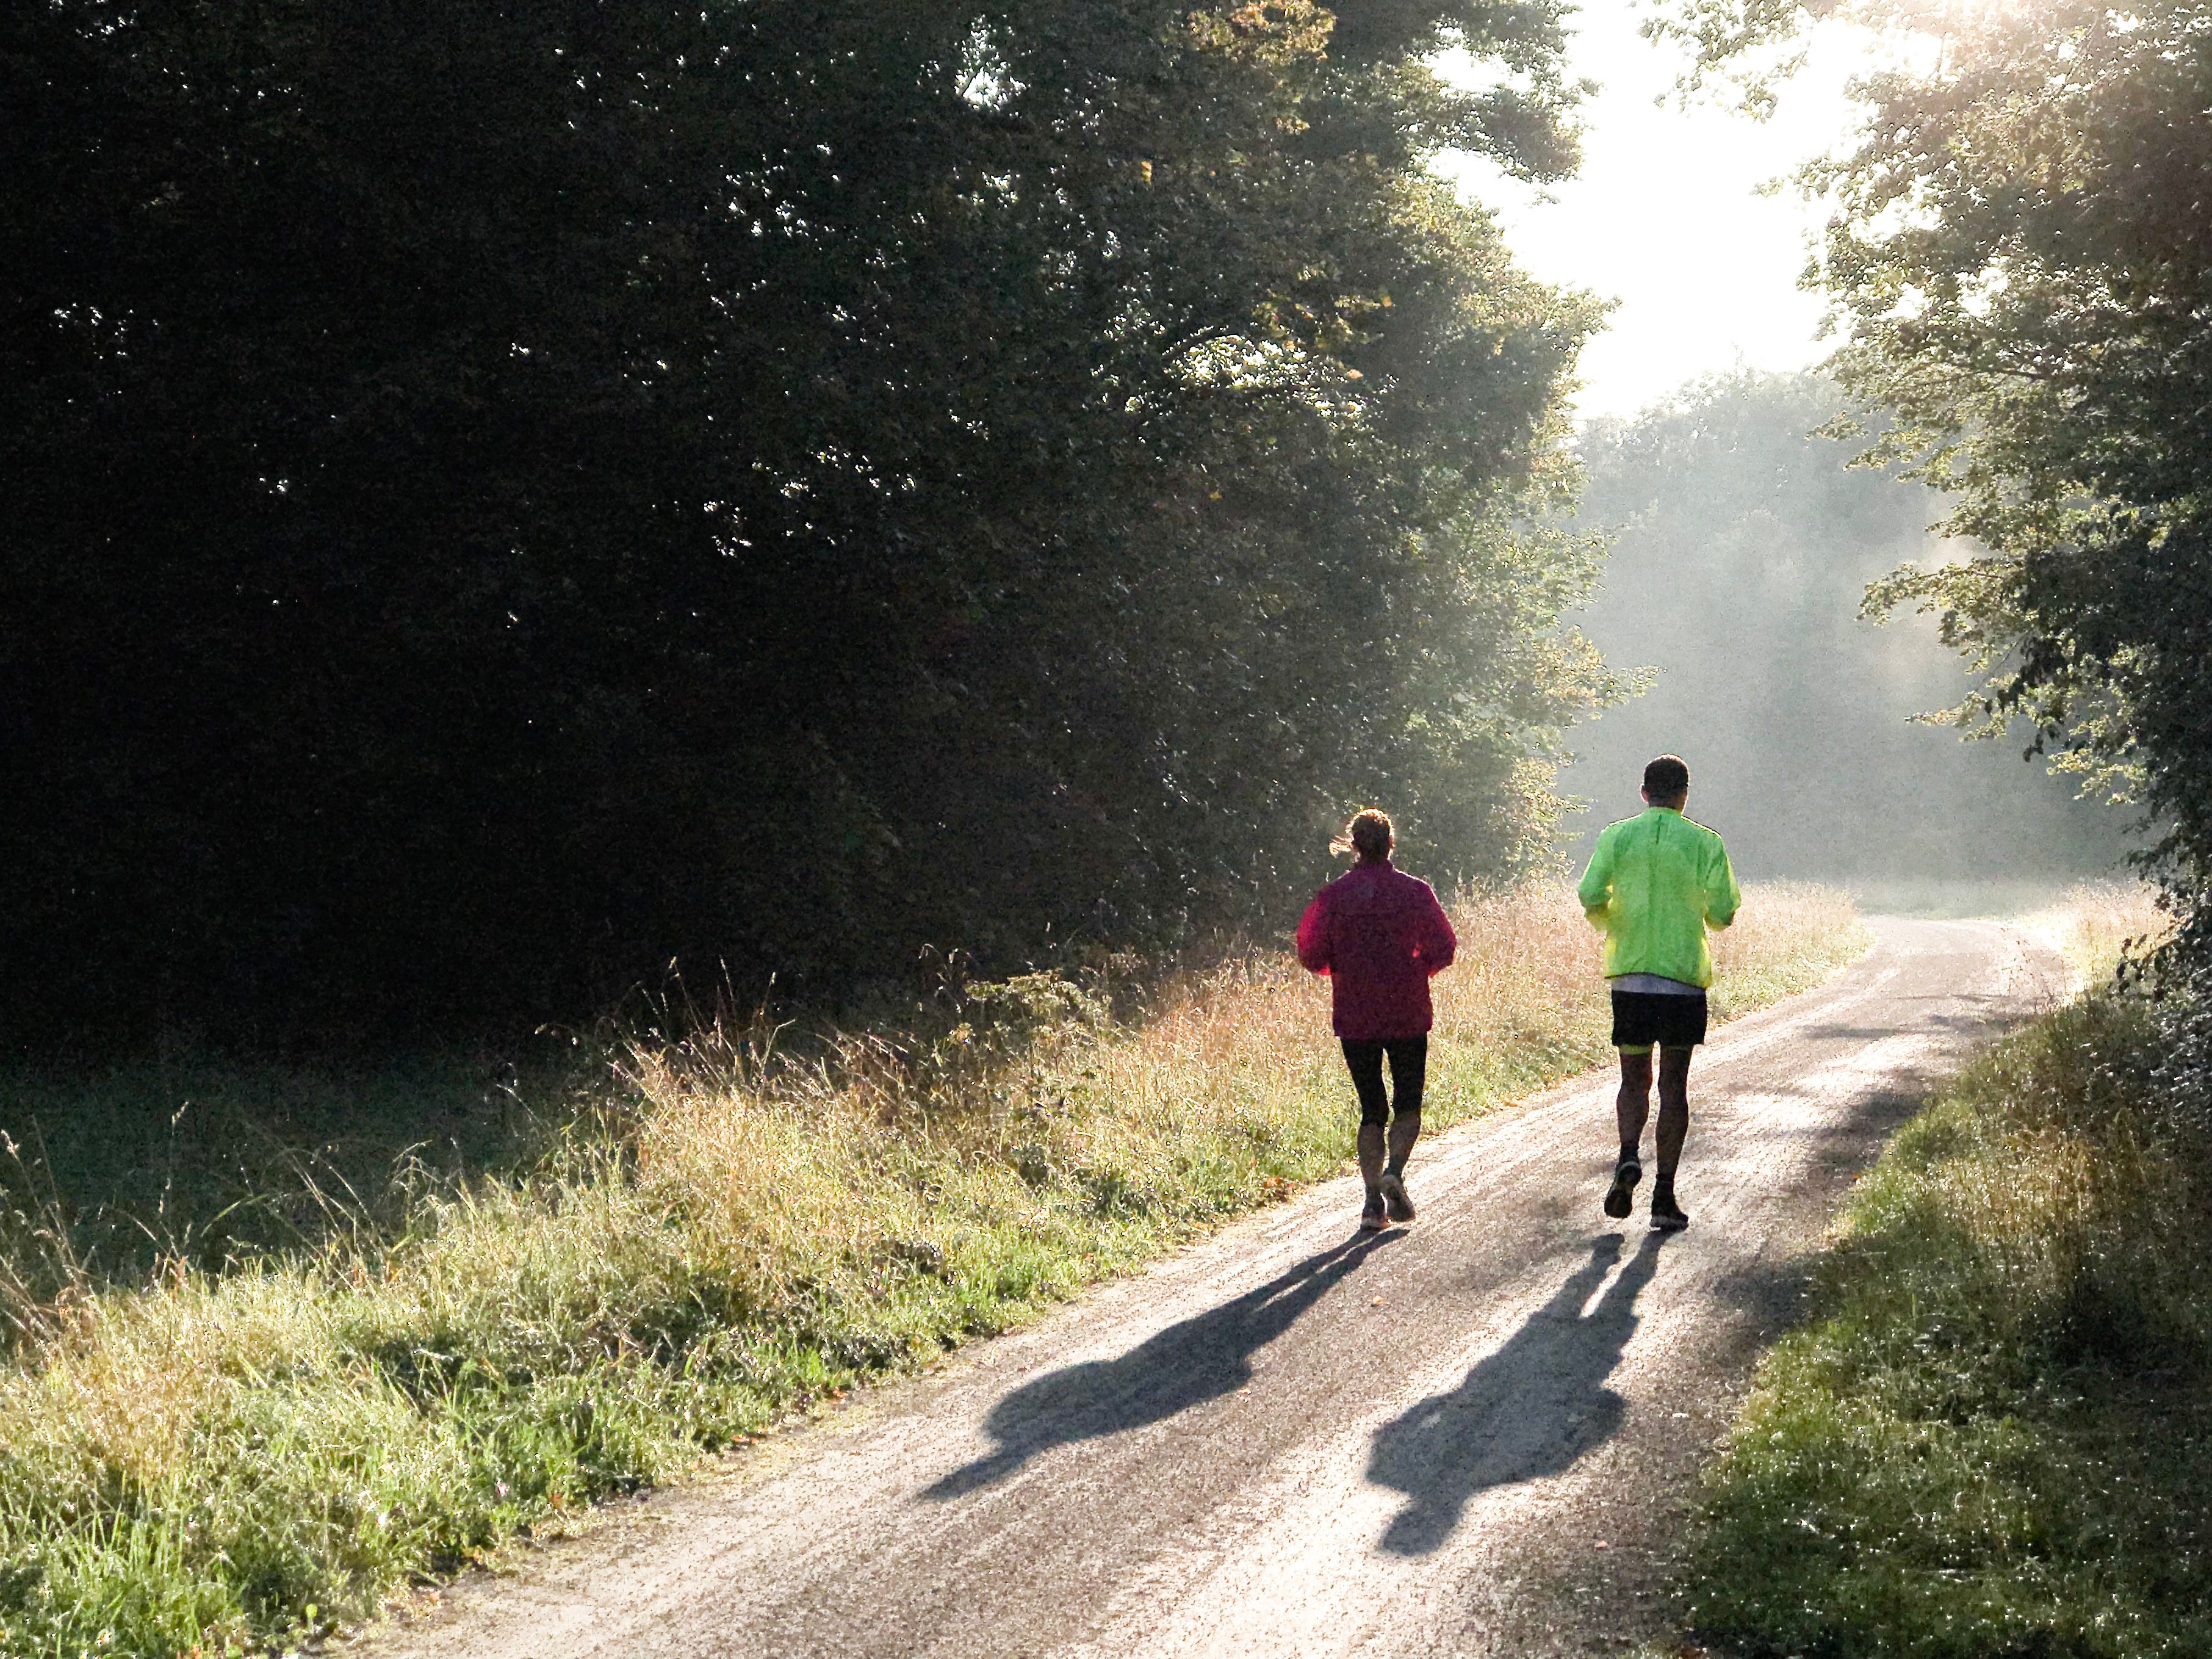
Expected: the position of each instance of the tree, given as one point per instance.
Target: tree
(1742, 545)
(507, 497)
(2023, 250)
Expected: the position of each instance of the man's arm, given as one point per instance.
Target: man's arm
(1723, 896)
(1595, 889)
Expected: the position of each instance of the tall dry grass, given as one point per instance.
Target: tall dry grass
(219, 1459)
(1527, 993)
(2094, 924)
(874, 1146)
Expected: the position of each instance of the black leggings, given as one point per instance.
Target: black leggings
(1409, 1070)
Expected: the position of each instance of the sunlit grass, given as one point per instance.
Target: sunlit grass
(1789, 935)
(215, 1458)
(1993, 1440)
(2092, 923)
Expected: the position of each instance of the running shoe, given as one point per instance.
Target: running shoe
(1666, 1215)
(1372, 1219)
(1621, 1194)
(1400, 1207)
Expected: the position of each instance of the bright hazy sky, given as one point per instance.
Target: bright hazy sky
(1665, 216)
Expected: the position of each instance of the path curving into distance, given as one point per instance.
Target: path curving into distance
(1475, 1436)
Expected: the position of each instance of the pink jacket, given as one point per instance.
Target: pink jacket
(1378, 935)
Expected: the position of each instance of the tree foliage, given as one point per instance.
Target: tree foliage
(1741, 548)
(503, 496)
(2023, 252)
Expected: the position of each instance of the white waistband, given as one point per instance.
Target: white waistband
(1656, 984)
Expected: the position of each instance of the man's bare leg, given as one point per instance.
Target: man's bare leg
(1634, 1105)
(1631, 1107)
(1674, 1106)
(1674, 1125)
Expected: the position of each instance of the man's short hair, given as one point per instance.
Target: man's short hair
(1666, 778)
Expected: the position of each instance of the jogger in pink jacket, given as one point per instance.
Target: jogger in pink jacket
(1378, 935)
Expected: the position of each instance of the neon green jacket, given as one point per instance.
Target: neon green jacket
(1655, 882)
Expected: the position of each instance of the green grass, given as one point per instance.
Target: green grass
(1993, 1441)
(218, 1449)
(210, 1159)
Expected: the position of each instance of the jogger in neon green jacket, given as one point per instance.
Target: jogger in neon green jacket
(1655, 883)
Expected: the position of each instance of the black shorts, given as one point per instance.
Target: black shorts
(1661, 1019)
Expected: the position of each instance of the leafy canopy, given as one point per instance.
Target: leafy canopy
(2022, 255)
(1741, 546)
(509, 496)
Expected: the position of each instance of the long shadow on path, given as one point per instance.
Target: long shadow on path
(1186, 1365)
(1530, 1409)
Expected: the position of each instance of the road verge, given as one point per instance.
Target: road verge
(1991, 1439)
(215, 1462)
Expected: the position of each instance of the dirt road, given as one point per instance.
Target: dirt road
(1474, 1435)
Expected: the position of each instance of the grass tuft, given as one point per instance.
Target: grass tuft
(218, 1458)
(2094, 925)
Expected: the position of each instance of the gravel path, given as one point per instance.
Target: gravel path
(1475, 1436)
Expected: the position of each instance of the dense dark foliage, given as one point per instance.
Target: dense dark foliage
(503, 496)
(2023, 255)
(1741, 546)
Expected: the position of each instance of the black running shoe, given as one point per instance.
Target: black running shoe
(1621, 1196)
(1395, 1203)
(1666, 1215)
(1372, 1218)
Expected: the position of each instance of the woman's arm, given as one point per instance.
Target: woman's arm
(1439, 945)
(1312, 935)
